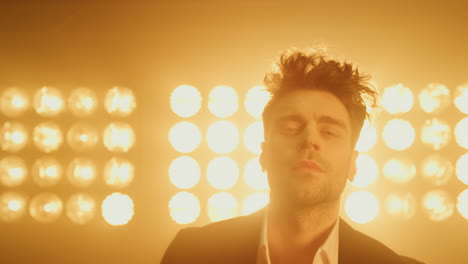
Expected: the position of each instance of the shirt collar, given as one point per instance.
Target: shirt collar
(329, 249)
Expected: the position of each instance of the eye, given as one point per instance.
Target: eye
(290, 127)
(329, 132)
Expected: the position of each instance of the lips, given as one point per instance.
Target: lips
(308, 165)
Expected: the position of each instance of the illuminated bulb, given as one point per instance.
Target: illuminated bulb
(367, 138)
(223, 101)
(12, 206)
(13, 136)
(184, 172)
(13, 102)
(46, 172)
(401, 206)
(434, 98)
(185, 137)
(437, 205)
(47, 136)
(222, 173)
(436, 169)
(397, 99)
(462, 168)
(399, 170)
(398, 134)
(81, 208)
(185, 101)
(82, 137)
(117, 209)
(461, 130)
(13, 171)
(361, 207)
(253, 137)
(461, 98)
(48, 102)
(82, 102)
(255, 202)
(118, 172)
(119, 137)
(81, 172)
(435, 133)
(120, 102)
(366, 171)
(222, 206)
(45, 207)
(462, 204)
(222, 137)
(254, 177)
(255, 101)
(184, 208)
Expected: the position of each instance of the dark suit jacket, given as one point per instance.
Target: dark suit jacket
(236, 240)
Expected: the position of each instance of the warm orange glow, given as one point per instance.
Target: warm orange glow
(461, 98)
(48, 102)
(119, 137)
(82, 102)
(367, 138)
(437, 169)
(48, 136)
(401, 206)
(46, 207)
(399, 170)
(255, 202)
(223, 101)
(120, 101)
(462, 168)
(12, 206)
(184, 208)
(13, 102)
(117, 209)
(13, 171)
(222, 137)
(435, 133)
(185, 137)
(184, 172)
(185, 101)
(398, 134)
(118, 172)
(253, 137)
(81, 172)
(397, 99)
(366, 171)
(361, 207)
(255, 100)
(462, 204)
(461, 130)
(254, 176)
(222, 206)
(82, 137)
(13, 136)
(437, 205)
(81, 208)
(434, 98)
(222, 173)
(46, 171)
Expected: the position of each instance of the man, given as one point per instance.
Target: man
(311, 124)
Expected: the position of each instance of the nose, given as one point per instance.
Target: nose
(309, 141)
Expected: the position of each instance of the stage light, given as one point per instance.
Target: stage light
(185, 137)
(81, 208)
(82, 102)
(397, 99)
(254, 176)
(120, 102)
(46, 171)
(222, 137)
(186, 101)
(12, 206)
(81, 172)
(119, 137)
(437, 205)
(436, 169)
(222, 173)
(398, 134)
(45, 207)
(399, 170)
(13, 171)
(461, 98)
(13, 136)
(184, 172)
(462, 168)
(255, 101)
(253, 137)
(48, 102)
(222, 206)
(184, 208)
(14, 102)
(366, 171)
(401, 206)
(223, 101)
(462, 204)
(117, 209)
(367, 138)
(435, 133)
(82, 137)
(47, 136)
(255, 202)
(434, 98)
(461, 130)
(118, 172)
(361, 207)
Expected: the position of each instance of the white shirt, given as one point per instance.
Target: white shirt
(327, 253)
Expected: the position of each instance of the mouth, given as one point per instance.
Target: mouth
(308, 166)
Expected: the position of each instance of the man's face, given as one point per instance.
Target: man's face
(308, 153)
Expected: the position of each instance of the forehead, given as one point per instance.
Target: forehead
(310, 104)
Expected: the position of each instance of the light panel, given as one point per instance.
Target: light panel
(14, 102)
(82, 102)
(46, 171)
(185, 137)
(437, 205)
(117, 209)
(13, 136)
(399, 170)
(398, 134)
(81, 208)
(223, 101)
(255, 101)
(120, 102)
(186, 101)
(184, 208)
(12, 206)
(46, 207)
(434, 98)
(48, 136)
(222, 173)
(184, 172)
(361, 207)
(48, 102)
(397, 99)
(13, 171)
(222, 137)
(222, 206)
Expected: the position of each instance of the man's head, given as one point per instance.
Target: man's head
(311, 124)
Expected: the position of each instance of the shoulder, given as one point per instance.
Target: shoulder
(362, 248)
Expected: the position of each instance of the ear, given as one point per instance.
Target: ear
(352, 166)
(262, 157)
